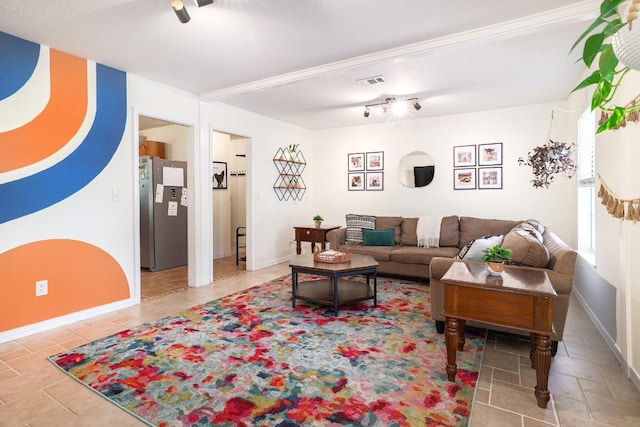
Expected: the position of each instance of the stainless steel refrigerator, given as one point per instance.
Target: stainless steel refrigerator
(163, 213)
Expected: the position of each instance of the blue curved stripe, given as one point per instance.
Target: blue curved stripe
(36, 192)
(19, 59)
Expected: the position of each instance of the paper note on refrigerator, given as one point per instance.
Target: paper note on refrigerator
(159, 193)
(184, 198)
(173, 209)
(172, 177)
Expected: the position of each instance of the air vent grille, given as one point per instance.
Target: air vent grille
(371, 80)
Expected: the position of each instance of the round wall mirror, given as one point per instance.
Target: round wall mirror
(416, 169)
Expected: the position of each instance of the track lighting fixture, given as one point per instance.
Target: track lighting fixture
(180, 10)
(200, 3)
(399, 106)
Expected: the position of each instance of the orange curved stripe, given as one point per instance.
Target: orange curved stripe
(81, 276)
(57, 123)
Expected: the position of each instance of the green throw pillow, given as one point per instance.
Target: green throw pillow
(377, 237)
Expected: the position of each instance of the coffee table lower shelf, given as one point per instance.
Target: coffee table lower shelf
(322, 292)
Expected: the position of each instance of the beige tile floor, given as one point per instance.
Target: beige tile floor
(587, 385)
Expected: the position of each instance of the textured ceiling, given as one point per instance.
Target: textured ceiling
(298, 61)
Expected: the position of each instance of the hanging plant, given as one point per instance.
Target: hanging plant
(603, 41)
(549, 160)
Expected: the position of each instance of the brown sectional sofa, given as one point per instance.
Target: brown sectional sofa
(407, 259)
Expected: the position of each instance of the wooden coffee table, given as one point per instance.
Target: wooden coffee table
(334, 291)
(520, 298)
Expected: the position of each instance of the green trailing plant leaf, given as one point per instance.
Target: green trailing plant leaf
(597, 50)
(617, 116)
(592, 48)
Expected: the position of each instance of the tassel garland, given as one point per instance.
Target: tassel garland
(616, 206)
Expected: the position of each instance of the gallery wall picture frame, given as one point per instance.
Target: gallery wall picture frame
(375, 181)
(464, 155)
(375, 160)
(490, 154)
(219, 175)
(490, 178)
(356, 162)
(464, 179)
(356, 181)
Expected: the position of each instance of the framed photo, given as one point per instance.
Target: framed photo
(489, 178)
(375, 161)
(219, 175)
(356, 162)
(464, 155)
(464, 179)
(375, 181)
(356, 181)
(490, 154)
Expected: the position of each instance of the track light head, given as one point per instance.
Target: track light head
(416, 104)
(200, 3)
(180, 10)
(367, 111)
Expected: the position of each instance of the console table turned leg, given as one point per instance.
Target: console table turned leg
(451, 339)
(542, 363)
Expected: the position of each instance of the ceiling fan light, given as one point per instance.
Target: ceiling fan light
(180, 10)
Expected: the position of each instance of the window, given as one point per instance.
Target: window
(586, 181)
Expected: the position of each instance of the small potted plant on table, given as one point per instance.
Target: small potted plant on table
(318, 220)
(495, 258)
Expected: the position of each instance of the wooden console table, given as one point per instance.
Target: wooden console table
(520, 298)
(312, 234)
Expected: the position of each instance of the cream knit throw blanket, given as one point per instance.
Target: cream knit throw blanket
(428, 231)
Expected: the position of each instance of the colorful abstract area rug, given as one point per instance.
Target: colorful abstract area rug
(251, 359)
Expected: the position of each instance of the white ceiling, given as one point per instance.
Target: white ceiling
(299, 60)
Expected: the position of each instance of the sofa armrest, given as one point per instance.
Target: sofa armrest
(337, 237)
(437, 268)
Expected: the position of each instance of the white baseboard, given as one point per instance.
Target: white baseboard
(631, 373)
(57, 322)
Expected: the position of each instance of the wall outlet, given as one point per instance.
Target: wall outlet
(42, 287)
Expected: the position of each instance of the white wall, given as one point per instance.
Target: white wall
(270, 221)
(518, 129)
(618, 241)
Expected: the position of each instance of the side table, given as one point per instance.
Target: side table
(520, 298)
(313, 234)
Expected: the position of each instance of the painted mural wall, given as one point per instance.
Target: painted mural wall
(62, 122)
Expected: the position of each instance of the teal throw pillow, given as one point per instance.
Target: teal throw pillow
(377, 237)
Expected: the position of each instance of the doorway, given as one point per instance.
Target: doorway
(162, 148)
(229, 197)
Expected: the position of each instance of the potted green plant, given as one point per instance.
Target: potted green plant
(496, 257)
(603, 34)
(318, 220)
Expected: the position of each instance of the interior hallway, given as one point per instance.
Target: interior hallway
(588, 387)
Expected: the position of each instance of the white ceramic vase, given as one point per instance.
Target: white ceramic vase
(626, 43)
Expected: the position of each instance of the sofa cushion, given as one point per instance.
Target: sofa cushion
(355, 224)
(472, 228)
(378, 237)
(379, 253)
(475, 249)
(416, 255)
(386, 222)
(527, 248)
(450, 231)
(409, 232)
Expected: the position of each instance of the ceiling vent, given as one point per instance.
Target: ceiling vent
(371, 80)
